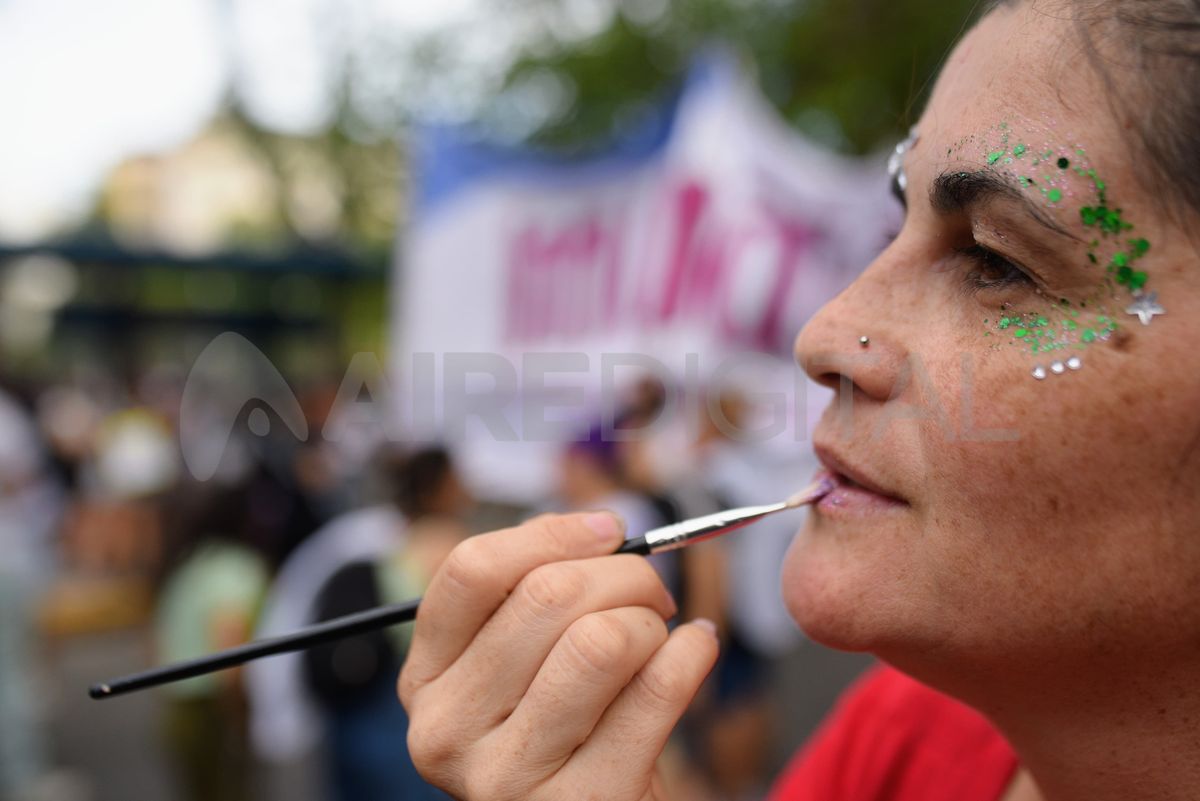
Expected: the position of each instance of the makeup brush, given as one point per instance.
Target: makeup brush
(659, 540)
(698, 529)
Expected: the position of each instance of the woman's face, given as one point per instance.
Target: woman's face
(1050, 522)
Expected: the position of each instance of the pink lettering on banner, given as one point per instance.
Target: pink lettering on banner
(563, 283)
(704, 252)
(691, 270)
(795, 240)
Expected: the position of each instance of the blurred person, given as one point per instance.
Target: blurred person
(286, 726)
(592, 475)
(642, 415)
(285, 722)
(274, 466)
(115, 523)
(1032, 591)
(30, 504)
(323, 467)
(353, 680)
(212, 587)
(69, 419)
(282, 513)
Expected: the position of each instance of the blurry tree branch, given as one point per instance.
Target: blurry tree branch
(568, 75)
(851, 73)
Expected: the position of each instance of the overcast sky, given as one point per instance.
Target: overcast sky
(85, 84)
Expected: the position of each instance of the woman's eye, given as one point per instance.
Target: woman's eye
(990, 270)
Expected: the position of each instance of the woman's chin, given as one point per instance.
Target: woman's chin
(831, 601)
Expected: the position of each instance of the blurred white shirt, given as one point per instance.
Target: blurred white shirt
(285, 724)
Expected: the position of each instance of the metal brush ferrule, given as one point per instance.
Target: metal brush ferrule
(677, 535)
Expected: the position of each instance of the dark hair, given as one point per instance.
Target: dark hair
(601, 448)
(1156, 45)
(1162, 38)
(419, 476)
(196, 513)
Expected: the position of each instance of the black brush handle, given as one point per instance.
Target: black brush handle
(329, 631)
(635, 545)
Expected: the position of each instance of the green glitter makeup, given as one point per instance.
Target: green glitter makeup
(1063, 175)
(1040, 333)
(1110, 222)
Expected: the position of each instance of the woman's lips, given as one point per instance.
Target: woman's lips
(852, 492)
(847, 496)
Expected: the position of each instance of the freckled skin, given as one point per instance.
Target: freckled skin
(1122, 339)
(1073, 550)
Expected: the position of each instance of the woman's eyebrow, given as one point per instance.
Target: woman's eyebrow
(957, 191)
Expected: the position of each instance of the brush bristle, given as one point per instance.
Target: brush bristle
(812, 493)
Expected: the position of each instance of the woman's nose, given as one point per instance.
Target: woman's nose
(851, 343)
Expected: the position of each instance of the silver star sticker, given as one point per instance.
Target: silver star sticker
(1145, 307)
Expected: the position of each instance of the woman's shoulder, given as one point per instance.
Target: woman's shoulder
(891, 738)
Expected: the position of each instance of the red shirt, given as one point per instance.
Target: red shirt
(892, 738)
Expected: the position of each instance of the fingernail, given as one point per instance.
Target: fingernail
(707, 625)
(671, 605)
(606, 525)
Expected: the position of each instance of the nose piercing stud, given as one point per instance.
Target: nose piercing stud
(864, 341)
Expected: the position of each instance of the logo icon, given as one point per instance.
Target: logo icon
(229, 374)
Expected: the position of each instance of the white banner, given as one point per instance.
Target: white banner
(525, 283)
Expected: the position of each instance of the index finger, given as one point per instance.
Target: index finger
(481, 572)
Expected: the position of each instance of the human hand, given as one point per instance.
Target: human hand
(541, 667)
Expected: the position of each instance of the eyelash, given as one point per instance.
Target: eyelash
(981, 257)
(984, 261)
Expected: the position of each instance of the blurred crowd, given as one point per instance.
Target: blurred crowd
(103, 529)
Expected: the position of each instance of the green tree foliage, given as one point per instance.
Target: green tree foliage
(851, 73)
